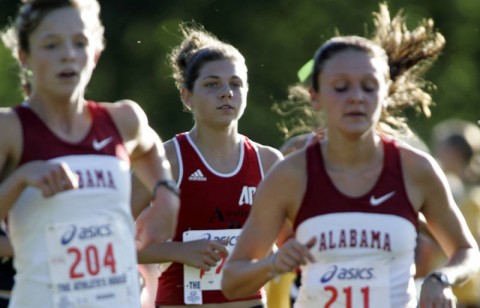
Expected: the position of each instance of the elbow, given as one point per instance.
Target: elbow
(227, 289)
(228, 286)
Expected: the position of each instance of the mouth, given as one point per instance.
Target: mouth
(67, 74)
(225, 107)
(355, 114)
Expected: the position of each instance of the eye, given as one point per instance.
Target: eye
(81, 44)
(236, 84)
(210, 84)
(370, 85)
(80, 41)
(340, 86)
(50, 45)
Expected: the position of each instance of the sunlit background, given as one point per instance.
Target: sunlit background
(276, 38)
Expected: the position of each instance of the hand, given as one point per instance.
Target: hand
(158, 222)
(204, 254)
(50, 178)
(436, 295)
(291, 255)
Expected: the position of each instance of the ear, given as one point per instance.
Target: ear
(314, 98)
(98, 53)
(23, 58)
(185, 96)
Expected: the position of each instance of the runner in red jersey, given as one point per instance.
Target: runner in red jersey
(65, 167)
(355, 196)
(217, 170)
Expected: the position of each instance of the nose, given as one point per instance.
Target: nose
(68, 52)
(226, 92)
(357, 95)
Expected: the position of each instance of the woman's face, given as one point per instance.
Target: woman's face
(62, 53)
(352, 91)
(219, 94)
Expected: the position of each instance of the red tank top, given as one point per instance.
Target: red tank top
(374, 234)
(333, 201)
(40, 143)
(209, 201)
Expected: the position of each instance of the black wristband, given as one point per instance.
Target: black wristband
(440, 277)
(169, 184)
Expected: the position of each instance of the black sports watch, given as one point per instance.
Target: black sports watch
(440, 277)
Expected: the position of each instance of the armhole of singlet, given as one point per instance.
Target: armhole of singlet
(395, 163)
(260, 165)
(178, 152)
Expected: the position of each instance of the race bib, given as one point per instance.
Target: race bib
(87, 264)
(196, 280)
(345, 285)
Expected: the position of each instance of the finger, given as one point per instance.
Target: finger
(45, 187)
(220, 247)
(299, 257)
(54, 178)
(211, 262)
(217, 254)
(70, 176)
(302, 252)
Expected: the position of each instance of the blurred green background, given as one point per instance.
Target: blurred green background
(276, 38)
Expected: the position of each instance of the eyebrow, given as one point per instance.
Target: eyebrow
(55, 35)
(218, 77)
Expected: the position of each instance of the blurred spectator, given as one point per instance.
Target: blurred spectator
(456, 146)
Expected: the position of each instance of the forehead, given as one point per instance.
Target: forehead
(225, 68)
(63, 21)
(354, 63)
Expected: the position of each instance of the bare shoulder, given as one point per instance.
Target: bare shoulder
(295, 143)
(268, 155)
(423, 177)
(9, 122)
(292, 167)
(11, 143)
(8, 116)
(286, 182)
(128, 116)
(126, 112)
(417, 163)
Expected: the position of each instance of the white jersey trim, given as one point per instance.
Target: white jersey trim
(178, 152)
(223, 175)
(260, 165)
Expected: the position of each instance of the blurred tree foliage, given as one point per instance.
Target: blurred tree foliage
(276, 38)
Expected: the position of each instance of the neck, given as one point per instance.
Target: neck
(67, 118)
(351, 154)
(221, 149)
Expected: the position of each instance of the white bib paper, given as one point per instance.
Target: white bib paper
(196, 280)
(346, 285)
(86, 264)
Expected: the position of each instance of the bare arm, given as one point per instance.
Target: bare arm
(6, 249)
(428, 189)
(448, 226)
(276, 200)
(150, 165)
(50, 178)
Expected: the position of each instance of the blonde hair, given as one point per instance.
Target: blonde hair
(32, 13)
(408, 55)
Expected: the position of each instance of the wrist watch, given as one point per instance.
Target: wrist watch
(440, 277)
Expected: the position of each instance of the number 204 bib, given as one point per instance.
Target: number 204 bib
(90, 265)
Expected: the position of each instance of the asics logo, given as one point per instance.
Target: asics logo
(98, 145)
(377, 201)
